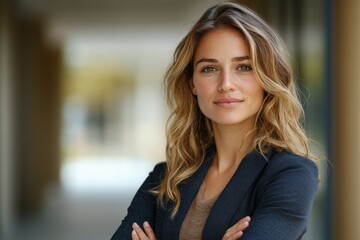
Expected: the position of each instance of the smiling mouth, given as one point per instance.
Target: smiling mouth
(228, 101)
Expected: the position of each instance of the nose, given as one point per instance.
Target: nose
(226, 82)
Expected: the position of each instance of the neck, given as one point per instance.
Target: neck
(232, 144)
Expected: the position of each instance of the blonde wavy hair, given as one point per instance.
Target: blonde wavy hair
(189, 132)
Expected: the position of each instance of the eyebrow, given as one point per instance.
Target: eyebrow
(212, 60)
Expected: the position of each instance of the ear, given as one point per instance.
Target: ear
(192, 87)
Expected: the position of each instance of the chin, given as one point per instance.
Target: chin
(234, 121)
(227, 122)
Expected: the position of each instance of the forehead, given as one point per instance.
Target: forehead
(220, 42)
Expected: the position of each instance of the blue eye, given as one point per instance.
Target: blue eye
(208, 70)
(244, 68)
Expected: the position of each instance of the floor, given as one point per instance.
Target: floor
(79, 211)
(67, 217)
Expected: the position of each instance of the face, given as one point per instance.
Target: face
(227, 90)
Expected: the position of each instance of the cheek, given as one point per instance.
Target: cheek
(200, 89)
(204, 96)
(254, 88)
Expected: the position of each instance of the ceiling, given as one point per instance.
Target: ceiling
(110, 19)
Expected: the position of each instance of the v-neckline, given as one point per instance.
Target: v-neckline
(200, 197)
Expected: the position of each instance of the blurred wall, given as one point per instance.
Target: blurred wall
(7, 186)
(29, 114)
(38, 67)
(346, 141)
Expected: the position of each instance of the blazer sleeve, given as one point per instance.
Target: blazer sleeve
(143, 205)
(284, 200)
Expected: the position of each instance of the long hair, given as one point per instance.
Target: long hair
(189, 132)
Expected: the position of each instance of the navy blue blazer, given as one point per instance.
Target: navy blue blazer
(276, 192)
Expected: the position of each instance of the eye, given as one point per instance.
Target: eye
(208, 69)
(244, 68)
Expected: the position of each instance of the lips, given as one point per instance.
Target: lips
(228, 102)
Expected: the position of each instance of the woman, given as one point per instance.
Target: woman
(238, 163)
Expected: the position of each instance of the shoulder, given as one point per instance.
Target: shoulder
(290, 180)
(160, 167)
(158, 172)
(291, 170)
(285, 161)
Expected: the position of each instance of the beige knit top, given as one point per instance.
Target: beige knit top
(196, 216)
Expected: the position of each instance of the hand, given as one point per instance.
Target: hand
(139, 234)
(236, 231)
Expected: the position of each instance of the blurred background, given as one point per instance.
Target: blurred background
(83, 113)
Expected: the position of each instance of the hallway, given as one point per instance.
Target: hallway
(82, 112)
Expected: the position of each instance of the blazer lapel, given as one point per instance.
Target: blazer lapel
(188, 191)
(233, 194)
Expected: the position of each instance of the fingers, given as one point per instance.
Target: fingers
(149, 231)
(237, 230)
(139, 234)
(134, 235)
(235, 236)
